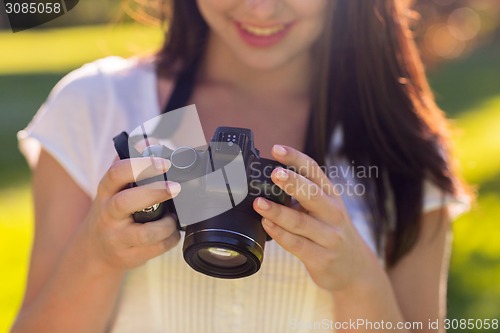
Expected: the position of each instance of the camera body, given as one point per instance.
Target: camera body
(219, 182)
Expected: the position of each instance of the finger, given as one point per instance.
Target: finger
(135, 199)
(297, 206)
(139, 235)
(303, 165)
(167, 244)
(295, 222)
(303, 248)
(307, 193)
(124, 172)
(158, 248)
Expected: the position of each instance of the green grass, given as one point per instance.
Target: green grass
(468, 89)
(463, 85)
(479, 141)
(16, 233)
(60, 50)
(31, 63)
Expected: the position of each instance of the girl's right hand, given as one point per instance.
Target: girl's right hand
(115, 240)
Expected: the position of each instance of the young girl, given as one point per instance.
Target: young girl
(329, 83)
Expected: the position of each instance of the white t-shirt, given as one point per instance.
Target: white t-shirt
(76, 125)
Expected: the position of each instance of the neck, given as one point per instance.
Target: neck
(221, 66)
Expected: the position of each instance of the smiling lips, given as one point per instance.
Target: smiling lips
(263, 36)
(263, 31)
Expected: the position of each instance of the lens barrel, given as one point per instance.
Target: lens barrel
(227, 246)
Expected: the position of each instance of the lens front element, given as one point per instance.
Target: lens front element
(222, 253)
(222, 257)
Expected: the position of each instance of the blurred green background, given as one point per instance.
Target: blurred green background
(459, 41)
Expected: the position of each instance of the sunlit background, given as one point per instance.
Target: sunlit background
(459, 41)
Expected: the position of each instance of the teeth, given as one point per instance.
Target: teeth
(263, 31)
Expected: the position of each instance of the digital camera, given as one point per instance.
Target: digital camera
(224, 237)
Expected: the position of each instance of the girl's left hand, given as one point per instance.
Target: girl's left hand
(323, 237)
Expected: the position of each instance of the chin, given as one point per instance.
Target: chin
(264, 62)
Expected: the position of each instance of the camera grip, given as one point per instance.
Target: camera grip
(262, 185)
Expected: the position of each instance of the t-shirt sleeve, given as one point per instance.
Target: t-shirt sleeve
(63, 126)
(435, 198)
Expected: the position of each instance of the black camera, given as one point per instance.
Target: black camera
(224, 237)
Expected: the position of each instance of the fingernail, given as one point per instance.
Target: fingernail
(263, 204)
(161, 164)
(280, 150)
(281, 174)
(173, 188)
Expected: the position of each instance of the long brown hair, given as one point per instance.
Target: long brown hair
(371, 83)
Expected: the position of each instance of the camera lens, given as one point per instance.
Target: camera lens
(228, 246)
(222, 254)
(222, 257)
